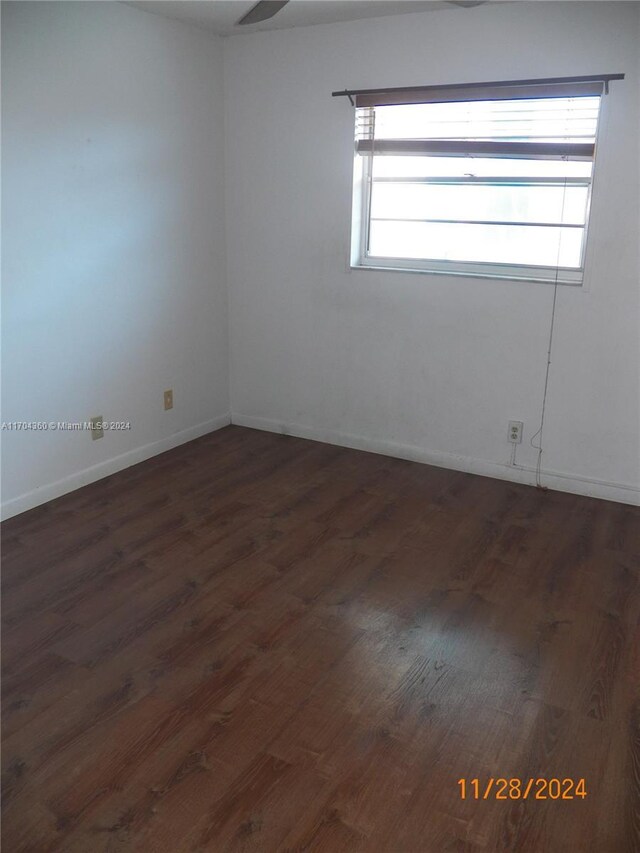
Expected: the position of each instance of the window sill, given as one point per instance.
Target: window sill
(495, 276)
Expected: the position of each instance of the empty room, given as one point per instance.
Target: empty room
(320, 426)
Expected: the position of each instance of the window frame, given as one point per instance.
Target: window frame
(360, 259)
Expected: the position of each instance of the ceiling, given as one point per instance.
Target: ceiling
(221, 16)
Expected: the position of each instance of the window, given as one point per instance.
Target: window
(493, 180)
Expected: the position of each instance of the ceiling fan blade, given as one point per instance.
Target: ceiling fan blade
(467, 4)
(262, 11)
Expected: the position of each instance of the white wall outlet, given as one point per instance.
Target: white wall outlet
(515, 431)
(97, 430)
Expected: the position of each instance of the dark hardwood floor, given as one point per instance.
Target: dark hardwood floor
(260, 643)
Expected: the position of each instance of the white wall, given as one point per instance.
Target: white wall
(424, 366)
(113, 235)
(115, 174)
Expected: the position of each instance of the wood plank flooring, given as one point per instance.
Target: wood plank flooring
(260, 643)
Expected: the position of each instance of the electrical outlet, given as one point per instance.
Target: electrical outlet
(515, 432)
(168, 399)
(97, 430)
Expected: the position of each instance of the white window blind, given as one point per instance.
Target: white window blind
(497, 184)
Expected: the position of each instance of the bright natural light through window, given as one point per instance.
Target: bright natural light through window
(480, 187)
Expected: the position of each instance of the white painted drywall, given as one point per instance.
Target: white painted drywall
(114, 250)
(425, 366)
(113, 238)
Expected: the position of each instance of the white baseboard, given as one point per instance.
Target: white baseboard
(620, 492)
(109, 466)
(556, 480)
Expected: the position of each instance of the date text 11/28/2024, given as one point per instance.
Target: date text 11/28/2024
(522, 789)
